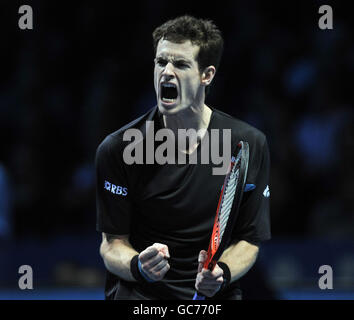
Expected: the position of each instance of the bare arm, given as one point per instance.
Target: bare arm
(240, 257)
(117, 252)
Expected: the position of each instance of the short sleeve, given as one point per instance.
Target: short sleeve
(113, 201)
(253, 221)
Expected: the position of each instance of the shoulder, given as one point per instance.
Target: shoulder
(114, 143)
(241, 130)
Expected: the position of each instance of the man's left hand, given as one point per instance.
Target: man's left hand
(208, 282)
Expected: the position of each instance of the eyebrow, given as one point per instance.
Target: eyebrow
(174, 58)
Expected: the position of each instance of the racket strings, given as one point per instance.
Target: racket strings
(228, 196)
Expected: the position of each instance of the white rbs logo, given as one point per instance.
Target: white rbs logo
(115, 189)
(266, 192)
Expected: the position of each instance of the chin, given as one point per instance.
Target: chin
(168, 109)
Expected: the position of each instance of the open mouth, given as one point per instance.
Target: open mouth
(169, 92)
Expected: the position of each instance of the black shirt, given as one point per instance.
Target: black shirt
(175, 204)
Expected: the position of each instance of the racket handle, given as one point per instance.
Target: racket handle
(207, 265)
(198, 296)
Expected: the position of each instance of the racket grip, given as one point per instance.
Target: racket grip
(198, 296)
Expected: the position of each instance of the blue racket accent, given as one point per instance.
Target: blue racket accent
(198, 297)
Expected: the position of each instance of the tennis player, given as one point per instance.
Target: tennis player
(156, 220)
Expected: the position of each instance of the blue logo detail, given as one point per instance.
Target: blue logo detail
(249, 187)
(115, 189)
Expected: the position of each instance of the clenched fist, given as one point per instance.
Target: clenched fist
(154, 261)
(208, 282)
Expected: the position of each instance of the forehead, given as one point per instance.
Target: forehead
(184, 50)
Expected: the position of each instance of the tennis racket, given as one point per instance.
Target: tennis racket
(228, 206)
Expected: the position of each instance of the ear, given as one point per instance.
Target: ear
(208, 75)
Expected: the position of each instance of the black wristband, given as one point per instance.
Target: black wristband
(134, 269)
(226, 275)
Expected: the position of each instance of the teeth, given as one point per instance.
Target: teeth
(168, 85)
(168, 100)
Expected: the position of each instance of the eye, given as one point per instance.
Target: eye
(161, 62)
(181, 64)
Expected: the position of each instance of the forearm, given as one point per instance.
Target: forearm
(240, 257)
(117, 254)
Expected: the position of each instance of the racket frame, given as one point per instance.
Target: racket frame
(213, 258)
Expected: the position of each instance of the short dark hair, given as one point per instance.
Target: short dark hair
(203, 33)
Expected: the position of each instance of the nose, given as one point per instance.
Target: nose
(168, 72)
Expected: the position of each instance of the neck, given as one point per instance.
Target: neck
(197, 118)
(190, 118)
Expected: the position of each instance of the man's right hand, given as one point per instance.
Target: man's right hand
(154, 261)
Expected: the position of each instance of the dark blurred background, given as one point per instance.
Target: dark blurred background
(86, 69)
